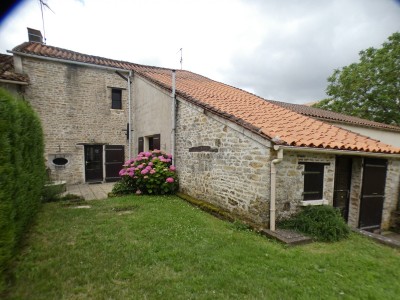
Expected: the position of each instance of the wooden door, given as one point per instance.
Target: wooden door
(94, 163)
(341, 193)
(115, 157)
(373, 193)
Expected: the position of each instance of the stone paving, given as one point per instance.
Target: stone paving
(95, 191)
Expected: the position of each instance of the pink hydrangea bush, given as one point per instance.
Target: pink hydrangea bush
(148, 173)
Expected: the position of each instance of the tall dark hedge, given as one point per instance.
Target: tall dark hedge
(22, 174)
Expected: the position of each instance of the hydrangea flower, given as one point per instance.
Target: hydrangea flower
(169, 180)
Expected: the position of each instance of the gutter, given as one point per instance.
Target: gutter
(272, 209)
(66, 61)
(129, 117)
(173, 114)
(14, 82)
(339, 152)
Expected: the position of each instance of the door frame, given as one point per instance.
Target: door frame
(363, 197)
(102, 162)
(335, 191)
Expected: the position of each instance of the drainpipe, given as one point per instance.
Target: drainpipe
(173, 114)
(273, 187)
(129, 117)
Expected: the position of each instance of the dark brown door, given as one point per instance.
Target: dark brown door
(114, 160)
(94, 163)
(341, 193)
(373, 193)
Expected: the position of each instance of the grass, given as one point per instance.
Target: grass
(163, 248)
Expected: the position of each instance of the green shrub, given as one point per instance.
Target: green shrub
(148, 173)
(52, 191)
(323, 223)
(22, 173)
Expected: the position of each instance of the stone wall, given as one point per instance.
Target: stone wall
(391, 192)
(74, 104)
(355, 191)
(221, 163)
(290, 181)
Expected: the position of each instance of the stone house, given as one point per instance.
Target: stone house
(259, 159)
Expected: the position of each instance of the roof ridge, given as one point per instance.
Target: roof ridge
(73, 55)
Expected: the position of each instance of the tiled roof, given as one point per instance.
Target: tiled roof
(7, 70)
(333, 116)
(265, 118)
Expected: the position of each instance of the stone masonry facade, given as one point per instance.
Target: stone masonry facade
(74, 104)
(290, 181)
(392, 192)
(221, 165)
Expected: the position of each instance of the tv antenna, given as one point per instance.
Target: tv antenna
(42, 3)
(181, 61)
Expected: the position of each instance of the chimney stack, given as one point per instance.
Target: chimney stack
(35, 35)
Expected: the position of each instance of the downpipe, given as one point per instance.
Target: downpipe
(272, 210)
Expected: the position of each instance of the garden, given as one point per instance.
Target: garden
(160, 247)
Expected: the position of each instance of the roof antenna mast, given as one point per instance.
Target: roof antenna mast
(181, 61)
(42, 3)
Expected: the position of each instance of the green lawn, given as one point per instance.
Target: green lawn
(163, 248)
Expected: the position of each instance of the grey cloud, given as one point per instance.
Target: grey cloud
(293, 65)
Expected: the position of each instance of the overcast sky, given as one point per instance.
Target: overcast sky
(278, 49)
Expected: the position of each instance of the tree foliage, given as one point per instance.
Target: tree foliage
(22, 174)
(369, 89)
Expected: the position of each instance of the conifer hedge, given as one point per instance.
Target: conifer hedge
(22, 174)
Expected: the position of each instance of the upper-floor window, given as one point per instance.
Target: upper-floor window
(116, 99)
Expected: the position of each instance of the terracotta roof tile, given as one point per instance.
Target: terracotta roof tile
(333, 116)
(285, 123)
(7, 70)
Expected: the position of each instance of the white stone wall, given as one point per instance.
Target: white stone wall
(236, 178)
(74, 104)
(152, 110)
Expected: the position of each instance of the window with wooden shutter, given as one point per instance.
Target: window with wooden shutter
(313, 180)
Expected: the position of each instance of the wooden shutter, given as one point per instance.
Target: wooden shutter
(156, 142)
(313, 181)
(140, 144)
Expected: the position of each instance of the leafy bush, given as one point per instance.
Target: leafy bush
(148, 173)
(53, 191)
(22, 174)
(323, 223)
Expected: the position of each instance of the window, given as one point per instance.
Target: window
(313, 180)
(149, 143)
(154, 142)
(116, 99)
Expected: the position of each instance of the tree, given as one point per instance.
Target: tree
(369, 89)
